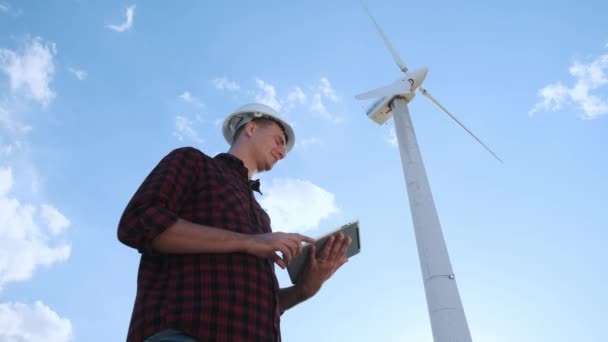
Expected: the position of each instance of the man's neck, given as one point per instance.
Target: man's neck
(243, 156)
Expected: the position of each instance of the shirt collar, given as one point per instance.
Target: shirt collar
(238, 165)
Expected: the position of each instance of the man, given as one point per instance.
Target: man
(207, 249)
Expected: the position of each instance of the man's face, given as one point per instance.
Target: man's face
(268, 145)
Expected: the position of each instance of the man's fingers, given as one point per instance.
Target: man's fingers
(312, 257)
(299, 248)
(337, 246)
(279, 261)
(294, 241)
(299, 239)
(293, 248)
(345, 243)
(306, 238)
(327, 248)
(287, 254)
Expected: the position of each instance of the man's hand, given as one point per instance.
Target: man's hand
(267, 246)
(322, 267)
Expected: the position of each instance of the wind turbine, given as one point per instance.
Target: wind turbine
(448, 320)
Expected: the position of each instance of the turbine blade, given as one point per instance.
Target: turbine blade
(388, 44)
(426, 93)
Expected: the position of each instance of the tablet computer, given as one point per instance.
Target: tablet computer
(297, 264)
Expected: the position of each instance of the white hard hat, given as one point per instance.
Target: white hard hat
(252, 111)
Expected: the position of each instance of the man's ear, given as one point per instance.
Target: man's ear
(249, 128)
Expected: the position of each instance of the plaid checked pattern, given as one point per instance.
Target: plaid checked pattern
(212, 297)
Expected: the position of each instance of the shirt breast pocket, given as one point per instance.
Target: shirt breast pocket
(231, 205)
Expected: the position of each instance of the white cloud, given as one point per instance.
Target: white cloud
(319, 107)
(268, 95)
(308, 142)
(24, 323)
(222, 83)
(6, 181)
(6, 150)
(24, 242)
(554, 96)
(6, 8)
(187, 97)
(12, 149)
(314, 98)
(184, 129)
(11, 125)
(32, 71)
(296, 205)
(54, 219)
(327, 90)
(324, 91)
(295, 97)
(391, 137)
(128, 22)
(588, 77)
(79, 73)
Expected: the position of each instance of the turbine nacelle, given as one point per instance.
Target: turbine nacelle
(405, 87)
(417, 77)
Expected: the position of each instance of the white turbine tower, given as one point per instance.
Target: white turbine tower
(447, 316)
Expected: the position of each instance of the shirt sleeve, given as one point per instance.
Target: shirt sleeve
(158, 201)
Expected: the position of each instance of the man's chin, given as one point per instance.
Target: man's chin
(270, 166)
(266, 167)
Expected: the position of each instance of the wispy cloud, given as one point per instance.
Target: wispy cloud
(267, 95)
(26, 234)
(588, 78)
(31, 71)
(128, 21)
(222, 83)
(189, 98)
(308, 142)
(78, 73)
(184, 129)
(11, 125)
(296, 205)
(295, 97)
(318, 106)
(6, 8)
(324, 91)
(6, 150)
(55, 220)
(315, 98)
(32, 323)
(327, 90)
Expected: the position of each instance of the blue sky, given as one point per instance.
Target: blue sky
(93, 94)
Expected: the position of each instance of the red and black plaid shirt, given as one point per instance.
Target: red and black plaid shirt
(212, 297)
